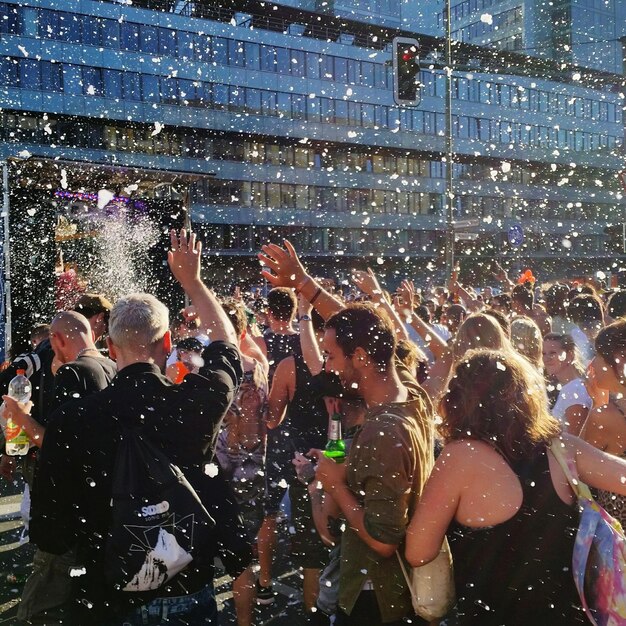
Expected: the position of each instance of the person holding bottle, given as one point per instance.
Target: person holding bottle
(390, 458)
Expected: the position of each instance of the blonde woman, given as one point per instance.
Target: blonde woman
(526, 339)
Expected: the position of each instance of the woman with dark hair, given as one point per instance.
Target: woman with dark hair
(606, 426)
(503, 499)
(561, 360)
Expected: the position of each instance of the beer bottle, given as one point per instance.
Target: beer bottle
(335, 447)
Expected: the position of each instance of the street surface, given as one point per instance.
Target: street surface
(16, 560)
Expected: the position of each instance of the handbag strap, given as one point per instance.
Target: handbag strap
(582, 491)
(406, 577)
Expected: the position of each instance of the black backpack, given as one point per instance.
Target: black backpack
(158, 523)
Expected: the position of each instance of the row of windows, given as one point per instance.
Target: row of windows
(466, 8)
(203, 145)
(534, 99)
(501, 21)
(133, 37)
(221, 51)
(250, 238)
(520, 208)
(314, 198)
(119, 85)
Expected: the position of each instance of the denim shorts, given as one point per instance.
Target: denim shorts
(195, 609)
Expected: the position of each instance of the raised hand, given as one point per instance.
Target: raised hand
(284, 266)
(406, 291)
(184, 257)
(367, 282)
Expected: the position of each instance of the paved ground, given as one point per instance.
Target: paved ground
(16, 560)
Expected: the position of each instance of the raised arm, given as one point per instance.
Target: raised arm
(433, 341)
(286, 270)
(368, 284)
(308, 342)
(184, 260)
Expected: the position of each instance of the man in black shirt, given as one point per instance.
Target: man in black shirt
(72, 499)
(83, 369)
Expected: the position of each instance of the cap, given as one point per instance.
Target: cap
(90, 304)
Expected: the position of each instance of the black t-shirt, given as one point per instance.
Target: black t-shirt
(72, 493)
(81, 378)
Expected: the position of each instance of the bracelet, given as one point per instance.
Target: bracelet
(301, 284)
(316, 295)
(305, 318)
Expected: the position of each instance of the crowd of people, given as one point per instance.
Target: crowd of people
(450, 401)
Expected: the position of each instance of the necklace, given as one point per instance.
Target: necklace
(84, 350)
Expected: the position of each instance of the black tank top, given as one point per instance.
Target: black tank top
(307, 416)
(519, 573)
(279, 347)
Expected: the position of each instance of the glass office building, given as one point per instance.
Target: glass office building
(281, 121)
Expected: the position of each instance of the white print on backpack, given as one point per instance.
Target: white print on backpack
(166, 557)
(155, 509)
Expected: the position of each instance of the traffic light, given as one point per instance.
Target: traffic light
(406, 67)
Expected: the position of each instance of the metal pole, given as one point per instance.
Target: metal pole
(449, 245)
(7, 259)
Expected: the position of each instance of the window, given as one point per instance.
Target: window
(112, 84)
(110, 33)
(10, 18)
(253, 61)
(92, 31)
(149, 38)
(131, 86)
(312, 65)
(297, 63)
(283, 61)
(150, 88)
(129, 36)
(93, 83)
(29, 74)
(236, 53)
(167, 42)
(51, 76)
(268, 59)
(9, 76)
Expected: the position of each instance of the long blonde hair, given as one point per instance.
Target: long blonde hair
(526, 339)
(479, 331)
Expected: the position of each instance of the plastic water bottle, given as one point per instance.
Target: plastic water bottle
(17, 441)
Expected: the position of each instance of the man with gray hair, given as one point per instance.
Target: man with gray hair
(74, 488)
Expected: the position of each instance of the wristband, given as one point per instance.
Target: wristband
(316, 295)
(305, 318)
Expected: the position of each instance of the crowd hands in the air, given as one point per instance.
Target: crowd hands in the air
(444, 392)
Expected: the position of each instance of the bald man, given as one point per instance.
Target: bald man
(82, 369)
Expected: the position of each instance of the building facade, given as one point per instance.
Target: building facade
(282, 121)
(581, 32)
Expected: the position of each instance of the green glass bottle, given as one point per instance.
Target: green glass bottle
(335, 447)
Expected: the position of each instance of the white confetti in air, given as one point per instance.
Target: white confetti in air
(24, 154)
(211, 470)
(104, 197)
(566, 243)
(64, 179)
(501, 366)
(77, 571)
(158, 127)
(506, 167)
(23, 50)
(486, 18)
